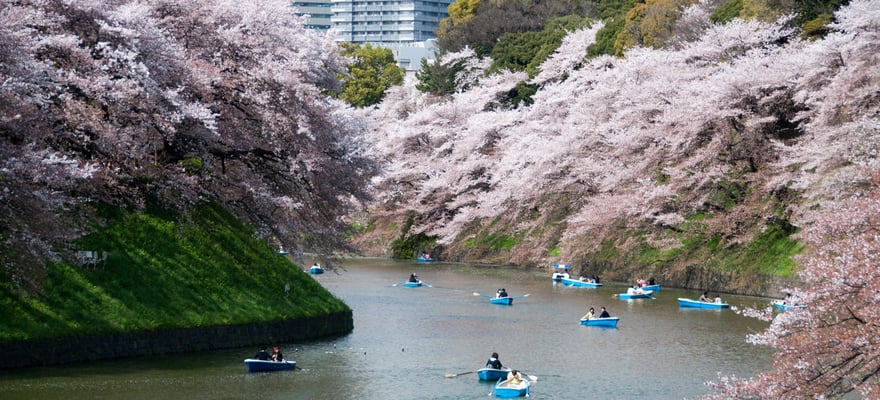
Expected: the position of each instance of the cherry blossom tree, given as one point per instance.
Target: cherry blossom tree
(126, 102)
(830, 348)
(642, 140)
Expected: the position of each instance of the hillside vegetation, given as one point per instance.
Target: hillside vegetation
(713, 151)
(156, 271)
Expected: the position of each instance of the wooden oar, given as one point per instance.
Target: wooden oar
(426, 284)
(483, 295)
(458, 374)
(532, 378)
(399, 283)
(521, 296)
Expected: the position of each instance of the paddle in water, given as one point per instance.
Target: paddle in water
(458, 374)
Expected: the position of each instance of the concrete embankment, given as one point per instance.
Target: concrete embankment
(78, 349)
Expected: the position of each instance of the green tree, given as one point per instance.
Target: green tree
(480, 25)
(370, 75)
(527, 50)
(727, 12)
(650, 24)
(437, 78)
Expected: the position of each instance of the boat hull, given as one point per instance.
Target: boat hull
(413, 284)
(688, 303)
(579, 283)
(492, 374)
(646, 294)
(785, 307)
(505, 301)
(254, 365)
(610, 322)
(316, 270)
(425, 260)
(653, 288)
(505, 389)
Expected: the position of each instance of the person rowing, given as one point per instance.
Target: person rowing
(493, 362)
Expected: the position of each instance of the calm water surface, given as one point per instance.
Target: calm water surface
(406, 339)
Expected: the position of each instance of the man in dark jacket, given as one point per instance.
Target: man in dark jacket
(262, 354)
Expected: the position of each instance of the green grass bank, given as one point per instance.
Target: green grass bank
(166, 272)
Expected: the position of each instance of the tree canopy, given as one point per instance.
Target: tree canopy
(372, 71)
(170, 102)
(480, 24)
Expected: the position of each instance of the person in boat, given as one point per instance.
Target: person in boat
(705, 297)
(493, 362)
(604, 313)
(595, 278)
(717, 299)
(276, 354)
(316, 265)
(651, 281)
(502, 292)
(641, 282)
(514, 377)
(262, 354)
(590, 314)
(413, 277)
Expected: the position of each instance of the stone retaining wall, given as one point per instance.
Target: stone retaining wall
(694, 277)
(75, 349)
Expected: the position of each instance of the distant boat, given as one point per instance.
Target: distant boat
(255, 365)
(508, 389)
(425, 258)
(780, 304)
(653, 288)
(560, 271)
(316, 269)
(579, 283)
(607, 322)
(506, 300)
(492, 374)
(682, 302)
(502, 300)
(413, 284)
(636, 294)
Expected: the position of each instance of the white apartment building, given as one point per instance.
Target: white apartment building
(407, 27)
(388, 21)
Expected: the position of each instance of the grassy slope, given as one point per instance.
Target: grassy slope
(161, 274)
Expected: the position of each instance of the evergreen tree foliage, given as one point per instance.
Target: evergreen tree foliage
(727, 11)
(493, 19)
(438, 78)
(527, 50)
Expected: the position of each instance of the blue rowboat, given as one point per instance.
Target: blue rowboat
(785, 307)
(607, 322)
(413, 284)
(579, 283)
(424, 259)
(254, 365)
(501, 300)
(506, 389)
(643, 294)
(315, 270)
(653, 288)
(492, 374)
(682, 302)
